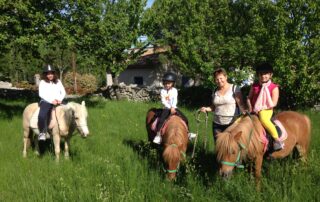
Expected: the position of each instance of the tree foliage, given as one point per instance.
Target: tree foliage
(98, 32)
(204, 35)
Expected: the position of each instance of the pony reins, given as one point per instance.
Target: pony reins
(199, 120)
(242, 146)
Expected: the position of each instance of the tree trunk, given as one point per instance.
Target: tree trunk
(74, 72)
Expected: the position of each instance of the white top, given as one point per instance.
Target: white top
(169, 98)
(225, 106)
(51, 91)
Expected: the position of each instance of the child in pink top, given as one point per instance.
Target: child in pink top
(263, 97)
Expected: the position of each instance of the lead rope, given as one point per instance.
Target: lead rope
(198, 112)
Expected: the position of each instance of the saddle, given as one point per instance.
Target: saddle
(34, 119)
(268, 140)
(155, 119)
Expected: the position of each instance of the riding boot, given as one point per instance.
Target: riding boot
(278, 145)
(157, 139)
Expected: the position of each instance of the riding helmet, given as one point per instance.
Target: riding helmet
(48, 68)
(169, 76)
(264, 67)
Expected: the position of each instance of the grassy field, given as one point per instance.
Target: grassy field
(116, 163)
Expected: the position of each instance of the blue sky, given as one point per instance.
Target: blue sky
(149, 3)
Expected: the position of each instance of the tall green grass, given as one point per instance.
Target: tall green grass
(116, 163)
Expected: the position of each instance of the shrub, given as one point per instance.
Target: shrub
(86, 83)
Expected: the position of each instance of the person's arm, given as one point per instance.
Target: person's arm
(239, 100)
(163, 99)
(174, 97)
(249, 100)
(275, 96)
(174, 100)
(209, 108)
(62, 91)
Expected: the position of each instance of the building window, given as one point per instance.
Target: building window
(138, 80)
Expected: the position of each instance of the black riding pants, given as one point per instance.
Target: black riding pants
(217, 128)
(44, 116)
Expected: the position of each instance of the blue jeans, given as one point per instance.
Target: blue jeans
(44, 116)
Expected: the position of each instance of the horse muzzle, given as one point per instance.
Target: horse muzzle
(84, 131)
(225, 174)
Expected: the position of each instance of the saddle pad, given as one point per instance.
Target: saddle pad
(165, 125)
(264, 138)
(284, 135)
(34, 119)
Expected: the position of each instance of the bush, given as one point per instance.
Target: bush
(86, 83)
(25, 85)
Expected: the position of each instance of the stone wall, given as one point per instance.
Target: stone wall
(131, 92)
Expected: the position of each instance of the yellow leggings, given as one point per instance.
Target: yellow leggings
(265, 118)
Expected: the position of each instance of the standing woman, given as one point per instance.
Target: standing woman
(227, 102)
(51, 92)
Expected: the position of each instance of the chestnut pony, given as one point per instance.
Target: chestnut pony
(242, 141)
(174, 141)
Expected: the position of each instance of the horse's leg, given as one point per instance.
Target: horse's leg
(26, 141)
(258, 165)
(302, 151)
(56, 142)
(66, 147)
(289, 144)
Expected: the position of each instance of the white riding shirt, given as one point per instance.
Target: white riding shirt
(49, 91)
(169, 98)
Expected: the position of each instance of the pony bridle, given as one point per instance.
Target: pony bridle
(242, 147)
(237, 163)
(175, 170)
(80, 126)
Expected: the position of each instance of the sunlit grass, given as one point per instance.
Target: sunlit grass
(116, 163)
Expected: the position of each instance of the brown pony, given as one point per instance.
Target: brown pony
(174, 141)
(242, 141)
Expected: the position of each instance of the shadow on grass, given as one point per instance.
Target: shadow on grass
(203, 166)
(8, 111)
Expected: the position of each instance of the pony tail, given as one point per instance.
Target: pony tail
(171, 154)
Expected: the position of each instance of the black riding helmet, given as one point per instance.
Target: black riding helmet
(48, 68)
(264, 67)
(169, 76)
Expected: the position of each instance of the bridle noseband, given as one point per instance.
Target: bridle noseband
(175, 170)
(237, 163)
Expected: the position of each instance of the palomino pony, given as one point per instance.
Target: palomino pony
(174, 141)
(243, 141)
(64, 120)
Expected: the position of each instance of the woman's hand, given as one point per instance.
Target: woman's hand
(205, 109)
(56, 102)
(173, 110)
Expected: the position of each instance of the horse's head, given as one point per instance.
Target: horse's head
(80, 114)
(175, 141)
(229, 149)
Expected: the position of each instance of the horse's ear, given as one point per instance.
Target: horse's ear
(83, 103)
(238, 136)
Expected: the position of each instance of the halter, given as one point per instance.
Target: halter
(237, 163)
(175, 170)
(80, 126)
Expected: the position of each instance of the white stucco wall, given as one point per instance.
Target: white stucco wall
(151, 77)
